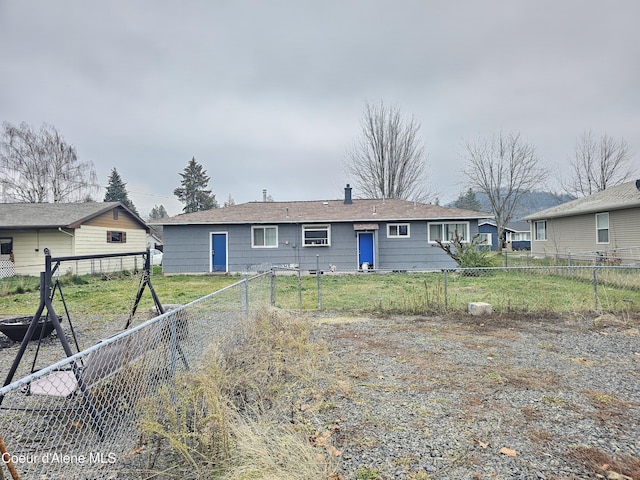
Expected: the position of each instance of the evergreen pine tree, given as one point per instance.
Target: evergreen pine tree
(117, 192)
(192, 190)
(468, 201)
(158, 212)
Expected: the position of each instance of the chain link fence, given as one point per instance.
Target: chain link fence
(80, 417)
(524, 289)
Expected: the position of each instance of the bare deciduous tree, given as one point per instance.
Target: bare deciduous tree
(504, 168)
(39, 166)
(388, 160)
(598, 164)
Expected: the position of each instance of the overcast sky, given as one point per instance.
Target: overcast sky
(270, 94)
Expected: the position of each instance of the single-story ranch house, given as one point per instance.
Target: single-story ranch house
(604, 226)
(337, 235)
(66, 229)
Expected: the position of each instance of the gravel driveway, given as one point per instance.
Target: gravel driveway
(484, 397)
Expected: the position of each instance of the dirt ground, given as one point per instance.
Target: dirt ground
(485, 397)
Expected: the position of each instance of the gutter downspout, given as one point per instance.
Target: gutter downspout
(73, 245)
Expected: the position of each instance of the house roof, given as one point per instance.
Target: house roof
(319, 211)
(27, 216)
(511, 226)
(626, 195)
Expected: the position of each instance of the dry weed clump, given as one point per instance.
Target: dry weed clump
(236, 416)
(622, 467)
(275, 451)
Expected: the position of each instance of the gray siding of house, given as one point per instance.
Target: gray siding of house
(187, 249)
(570, 235)
(290, 252)
(413, 253)
(624, 228)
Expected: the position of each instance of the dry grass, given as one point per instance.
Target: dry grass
(599, 461)
(272, 451)
(237, 417)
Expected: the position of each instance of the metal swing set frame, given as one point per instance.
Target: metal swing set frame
(47, 291)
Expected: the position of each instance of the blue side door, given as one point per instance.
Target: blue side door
(218, 252)
(365, 249)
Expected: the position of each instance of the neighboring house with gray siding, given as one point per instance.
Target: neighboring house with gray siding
(66, 229)
(604, 226)
(338, 235)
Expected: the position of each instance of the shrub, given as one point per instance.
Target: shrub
(468, 254)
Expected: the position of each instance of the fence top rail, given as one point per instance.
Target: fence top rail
(547, 267)
(400, 271)
(101, 255)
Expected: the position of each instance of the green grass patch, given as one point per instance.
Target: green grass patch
(18, 285)
(509, 291)
(113, 294)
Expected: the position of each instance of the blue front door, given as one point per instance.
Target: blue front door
(218, 252)
(365, 249)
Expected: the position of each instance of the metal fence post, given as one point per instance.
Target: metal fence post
(318, 281)
(300, 289)
(272, 287)
(595, 288)
(246, 292)
(446, 301)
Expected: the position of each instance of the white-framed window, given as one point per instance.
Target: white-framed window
(316, 235)
(540, 230)
(485, 239)
(264, 236)
(398, 230)
(602, 227)
(518, 236)
(447, 231)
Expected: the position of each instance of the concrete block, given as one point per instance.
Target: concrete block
(480, 308)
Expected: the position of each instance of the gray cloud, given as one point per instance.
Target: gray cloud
(270, 94)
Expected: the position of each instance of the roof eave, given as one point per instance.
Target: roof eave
(587, 211)
(35, 227)
(325, 220)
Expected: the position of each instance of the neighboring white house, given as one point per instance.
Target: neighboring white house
(67, 229)
(604, 226)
